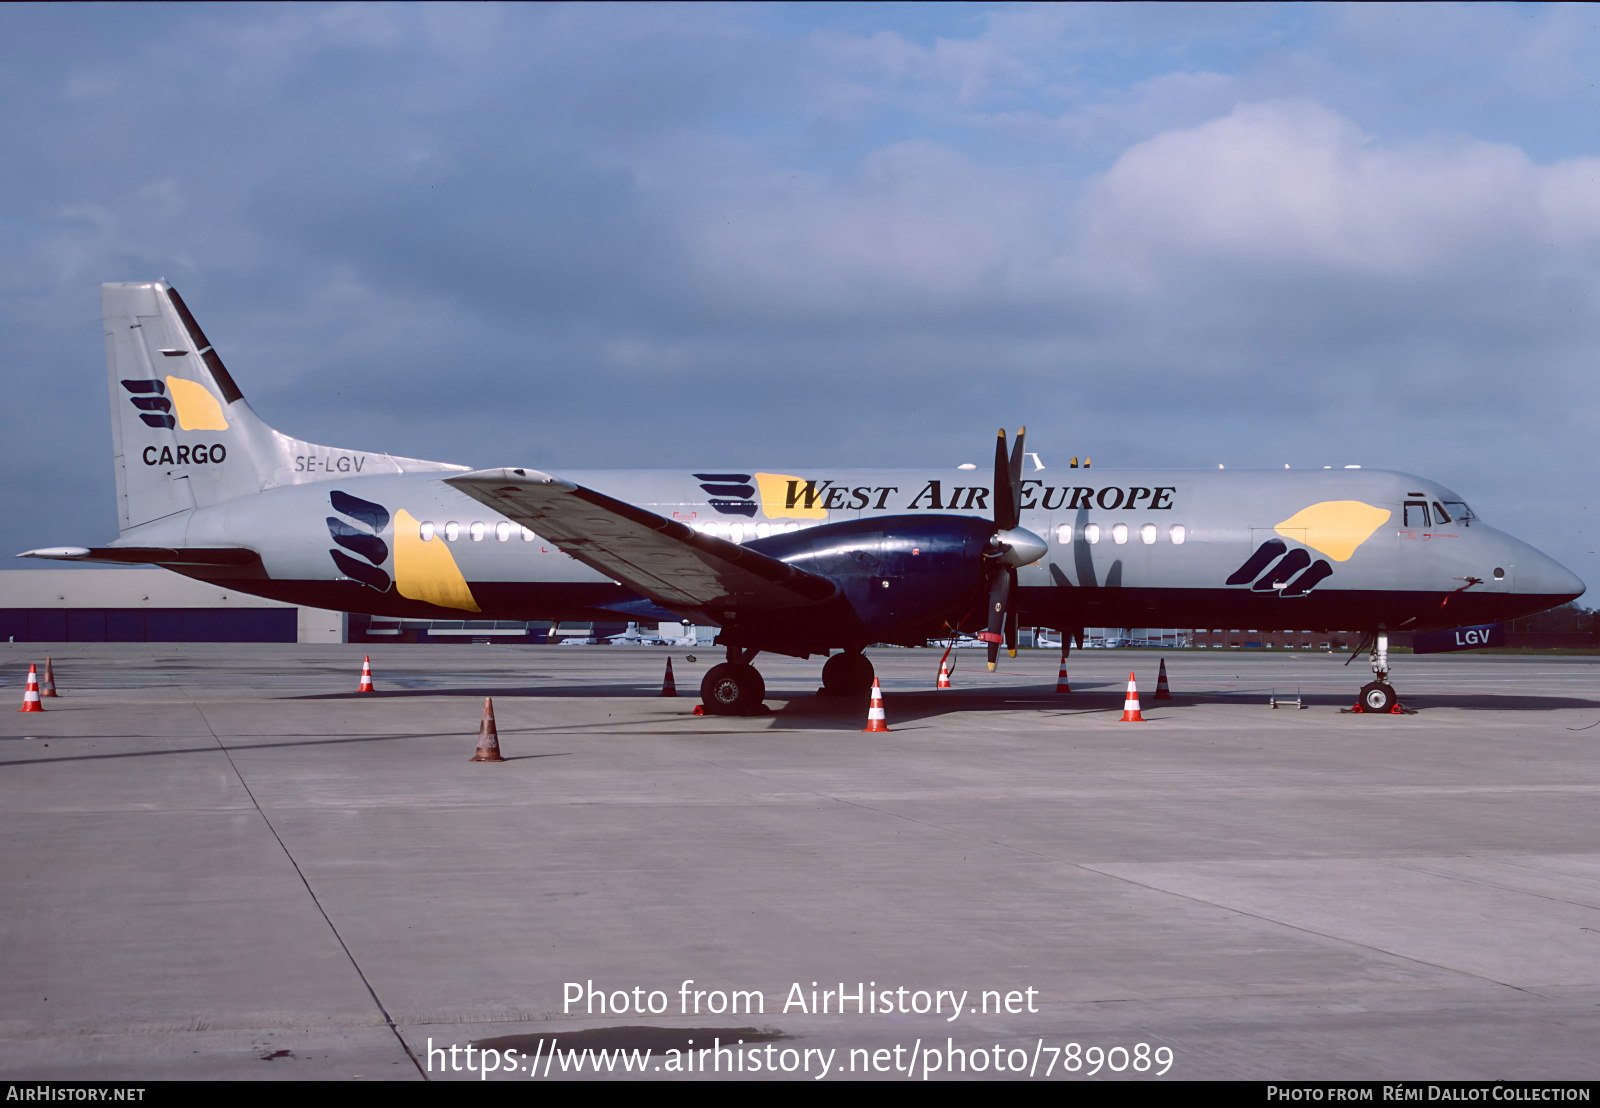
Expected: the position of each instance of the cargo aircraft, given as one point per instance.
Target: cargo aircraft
(802, 563)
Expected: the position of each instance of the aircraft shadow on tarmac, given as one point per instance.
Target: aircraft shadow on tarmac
(1091, 698)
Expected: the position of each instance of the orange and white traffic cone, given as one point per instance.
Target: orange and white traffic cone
(1130, 708)
(366, 674)
(875, 717)
(48, 687)
(1162, 691)
(1061, 678)
(944, 672)
(488, 737)
(669, 687)
(30, 698)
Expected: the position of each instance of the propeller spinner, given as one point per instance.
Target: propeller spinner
(1010, 547)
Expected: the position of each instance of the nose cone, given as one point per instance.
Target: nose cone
(1543, 576)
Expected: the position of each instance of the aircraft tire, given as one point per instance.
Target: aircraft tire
(847, 674)
(1378, 697)
(732, 689)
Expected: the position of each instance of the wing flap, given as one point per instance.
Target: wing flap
(667, 561)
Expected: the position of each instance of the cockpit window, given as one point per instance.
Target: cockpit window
(1417, 513)
(1463, 514)
(1439, 513)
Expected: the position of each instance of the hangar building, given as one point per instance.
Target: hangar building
(148, 604)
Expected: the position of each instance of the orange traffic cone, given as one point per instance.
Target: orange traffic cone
(488, 737)
(1061, 678)
(944, 672)
(48, 687)
(1130, 708)
(669, 687)
(30, 698)
(875, 716)
(1162, 691)
(366, 675)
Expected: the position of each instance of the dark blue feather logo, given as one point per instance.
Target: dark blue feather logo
(363, 541)
(730, 493)
(150, 397)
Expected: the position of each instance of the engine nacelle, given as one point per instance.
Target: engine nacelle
(902, 576)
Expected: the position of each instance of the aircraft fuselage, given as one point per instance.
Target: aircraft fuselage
(1336, 548)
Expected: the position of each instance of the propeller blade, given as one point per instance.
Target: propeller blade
(1011, 613)
(1006, 515)
(1016, 467)
(999, 605)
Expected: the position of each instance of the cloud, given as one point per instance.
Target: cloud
(1296, 186)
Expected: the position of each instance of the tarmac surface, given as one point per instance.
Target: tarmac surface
(221, 862)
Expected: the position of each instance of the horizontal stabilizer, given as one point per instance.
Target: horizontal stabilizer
(148, 555)
(670, 563)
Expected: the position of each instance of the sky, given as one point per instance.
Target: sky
(731, 236)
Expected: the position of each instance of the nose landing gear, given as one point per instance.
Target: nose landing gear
(1378, 695)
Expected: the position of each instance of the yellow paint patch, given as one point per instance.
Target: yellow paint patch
(426, 571)
(782, 495)
(1334, 527)
(197, 409)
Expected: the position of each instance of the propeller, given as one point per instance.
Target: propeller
(1009, 547)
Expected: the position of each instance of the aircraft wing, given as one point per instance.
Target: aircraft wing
(674, 565)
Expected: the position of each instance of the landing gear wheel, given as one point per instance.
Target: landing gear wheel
(848, 674)
(733, 689)
(1378, 697)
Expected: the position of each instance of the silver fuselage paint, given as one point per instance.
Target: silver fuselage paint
(1224, 517)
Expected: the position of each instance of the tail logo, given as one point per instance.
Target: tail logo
(197, 409)
(361, 540)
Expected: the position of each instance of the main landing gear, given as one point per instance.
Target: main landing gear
(735, 687)
(1379, 696)
(847, 674)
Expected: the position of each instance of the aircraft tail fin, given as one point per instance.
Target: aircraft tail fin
(183, 434)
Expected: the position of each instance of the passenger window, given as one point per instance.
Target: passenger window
(1092, 532)
(1064, 534)
(1439, 512)
(427, 532)
(1417, 513)
(1178, 533)
(527, 535)
(1119, 533)
(1147, 533)
(452, 530)
(477, 532)
(502, 530)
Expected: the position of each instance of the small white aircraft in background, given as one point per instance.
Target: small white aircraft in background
(635, 637)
